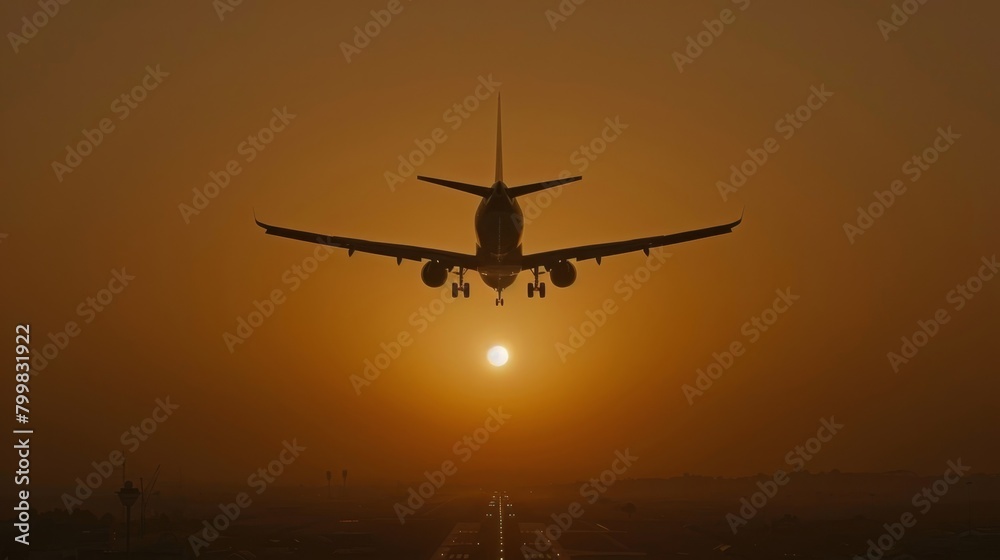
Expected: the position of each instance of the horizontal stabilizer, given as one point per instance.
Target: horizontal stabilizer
(464, 187)
(535, 187)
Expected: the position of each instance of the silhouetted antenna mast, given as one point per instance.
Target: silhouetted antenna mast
(145, 495)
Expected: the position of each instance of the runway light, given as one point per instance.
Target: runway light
(497, 356)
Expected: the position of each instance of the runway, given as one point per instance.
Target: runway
(499, 535)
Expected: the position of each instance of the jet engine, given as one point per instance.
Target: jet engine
(434, 274)
(563, 274)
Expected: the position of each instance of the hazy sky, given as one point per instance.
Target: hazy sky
(207, 83)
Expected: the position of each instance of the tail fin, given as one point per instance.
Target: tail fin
(499, 174)
(485, 191)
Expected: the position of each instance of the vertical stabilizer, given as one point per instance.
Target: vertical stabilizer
(499, 175)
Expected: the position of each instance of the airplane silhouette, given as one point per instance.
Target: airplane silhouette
(499, 225)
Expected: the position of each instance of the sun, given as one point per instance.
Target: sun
(497, 356)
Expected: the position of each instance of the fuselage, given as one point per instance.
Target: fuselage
(499, 227)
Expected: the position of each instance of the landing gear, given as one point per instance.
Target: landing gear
(540, 288)
(456, 288)
(460, 286)
(536, 286)
(499, 301)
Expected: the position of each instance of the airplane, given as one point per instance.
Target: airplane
(499, 225)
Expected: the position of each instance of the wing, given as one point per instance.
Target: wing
(601, 250)
(400, 252)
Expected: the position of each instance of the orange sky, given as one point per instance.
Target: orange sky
(325, 171)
